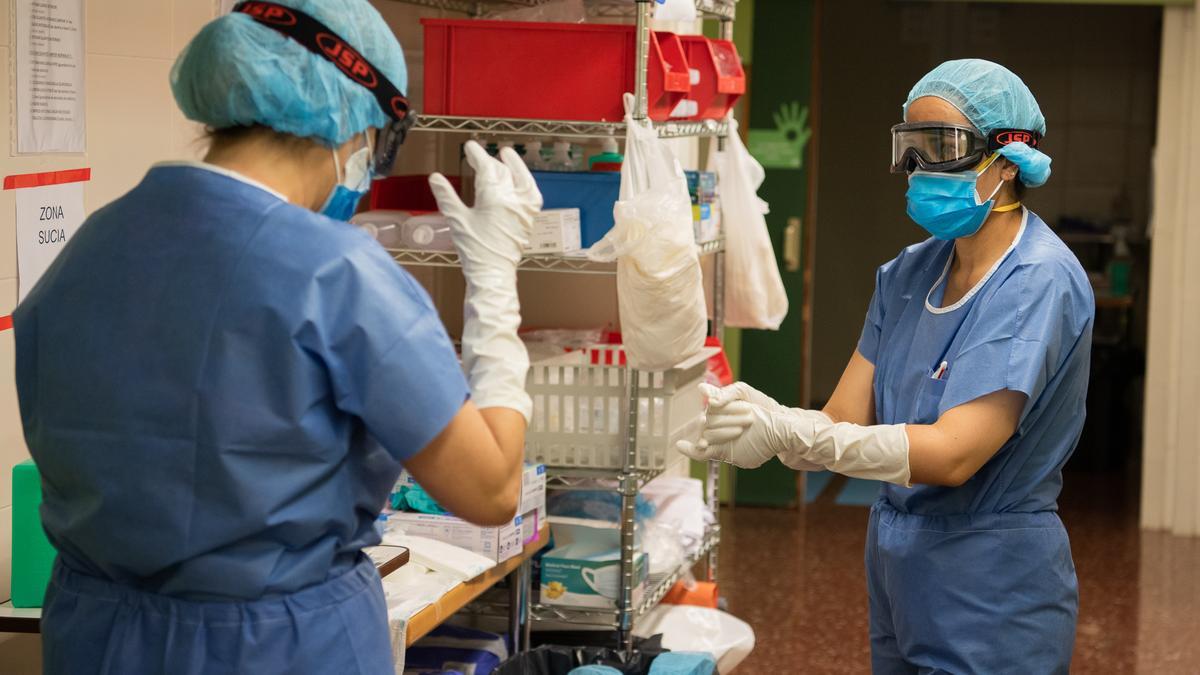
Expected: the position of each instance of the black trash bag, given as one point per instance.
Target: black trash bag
(559, 660)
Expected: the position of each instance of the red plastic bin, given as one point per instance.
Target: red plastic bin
(718, 79)
(559, 71)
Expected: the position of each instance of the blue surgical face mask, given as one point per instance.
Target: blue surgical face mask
(947, 205)
(352, 184)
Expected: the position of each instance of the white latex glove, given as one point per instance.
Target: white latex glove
(732, 424)
(489, 237)
(878, 452)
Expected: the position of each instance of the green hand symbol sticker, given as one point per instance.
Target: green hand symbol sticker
(783, 146)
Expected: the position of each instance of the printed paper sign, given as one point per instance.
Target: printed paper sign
(49, 211)
(49, 61)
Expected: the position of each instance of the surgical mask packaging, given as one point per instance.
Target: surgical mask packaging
(584, 569)
(555, 231)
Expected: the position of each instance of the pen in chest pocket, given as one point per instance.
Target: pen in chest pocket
(940, 371)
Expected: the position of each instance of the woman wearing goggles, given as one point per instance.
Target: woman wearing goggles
(965, 396)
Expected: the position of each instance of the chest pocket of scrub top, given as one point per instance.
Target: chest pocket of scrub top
(929, 397)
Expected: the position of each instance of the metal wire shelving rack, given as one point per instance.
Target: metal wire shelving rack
(627, 481)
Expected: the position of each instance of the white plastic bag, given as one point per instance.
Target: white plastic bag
(660, 289)
(675, 10)
(754, 292)
(699, 629)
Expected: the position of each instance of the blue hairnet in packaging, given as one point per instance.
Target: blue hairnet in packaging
(594, 670)
(684, 663)
(594, 505)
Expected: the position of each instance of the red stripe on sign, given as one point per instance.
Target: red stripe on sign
(5, 322)
(30, 180)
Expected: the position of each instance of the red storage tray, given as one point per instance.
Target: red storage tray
(718, 80)
(559, 71)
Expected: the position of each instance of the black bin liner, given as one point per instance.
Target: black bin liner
(560, 660)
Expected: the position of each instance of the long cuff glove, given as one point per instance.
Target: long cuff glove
(747, 435)
(490, 237)
(717, 433)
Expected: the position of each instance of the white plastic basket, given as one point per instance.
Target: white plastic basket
(579, 409)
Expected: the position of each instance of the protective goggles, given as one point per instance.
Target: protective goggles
(320, 40)
(937, 146)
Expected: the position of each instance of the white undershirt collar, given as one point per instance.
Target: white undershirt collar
(228, 173)
(974, 289)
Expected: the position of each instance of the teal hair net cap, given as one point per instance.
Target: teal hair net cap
(237, 72)
(991, 97)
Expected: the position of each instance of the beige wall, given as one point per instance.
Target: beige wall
(1094, 71)
(132, 122)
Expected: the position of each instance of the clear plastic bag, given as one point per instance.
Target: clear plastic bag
(754, 292)
(660, 288)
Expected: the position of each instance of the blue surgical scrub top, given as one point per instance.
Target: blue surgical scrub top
(1026, 327)
(219, 387)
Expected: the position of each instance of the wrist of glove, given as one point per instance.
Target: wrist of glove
(490, 238)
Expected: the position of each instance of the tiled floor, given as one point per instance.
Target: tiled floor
(797, 577)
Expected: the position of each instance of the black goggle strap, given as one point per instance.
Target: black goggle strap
(320, 40)
(999, 138)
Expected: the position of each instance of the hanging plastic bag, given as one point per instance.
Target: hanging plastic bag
(675, 10)
(660, 289)
(754, 292)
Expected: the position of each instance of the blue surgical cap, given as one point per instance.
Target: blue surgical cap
(237, 72)
(991, 97)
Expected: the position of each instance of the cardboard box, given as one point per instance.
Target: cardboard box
(556, 231)
(496, 543)
(579, 575)
(706, 219)
(584, 567)
(533, 501)
(533, 490)
(530, 526)
(702, 186)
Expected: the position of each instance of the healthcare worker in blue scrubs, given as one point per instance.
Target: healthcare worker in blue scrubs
(965, 395)
(220, 379)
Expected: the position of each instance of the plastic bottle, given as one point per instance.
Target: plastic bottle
(610, 157)
(562, 157)
(533, 156)
(1120, 264)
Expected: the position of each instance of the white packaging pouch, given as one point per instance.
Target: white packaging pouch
(660, 288)
(754, 292)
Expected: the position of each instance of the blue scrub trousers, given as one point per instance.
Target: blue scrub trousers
(339, 627)
(976, 593)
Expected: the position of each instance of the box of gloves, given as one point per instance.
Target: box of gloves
(497, 543)
(533, 501)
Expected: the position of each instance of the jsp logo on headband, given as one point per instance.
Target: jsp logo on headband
(270, 13)
(347, 59)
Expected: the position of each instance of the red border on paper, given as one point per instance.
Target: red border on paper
(30, 180)
(5, 323)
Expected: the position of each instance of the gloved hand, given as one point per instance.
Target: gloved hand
(747, 435)
(726, 422)
(489, 238)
